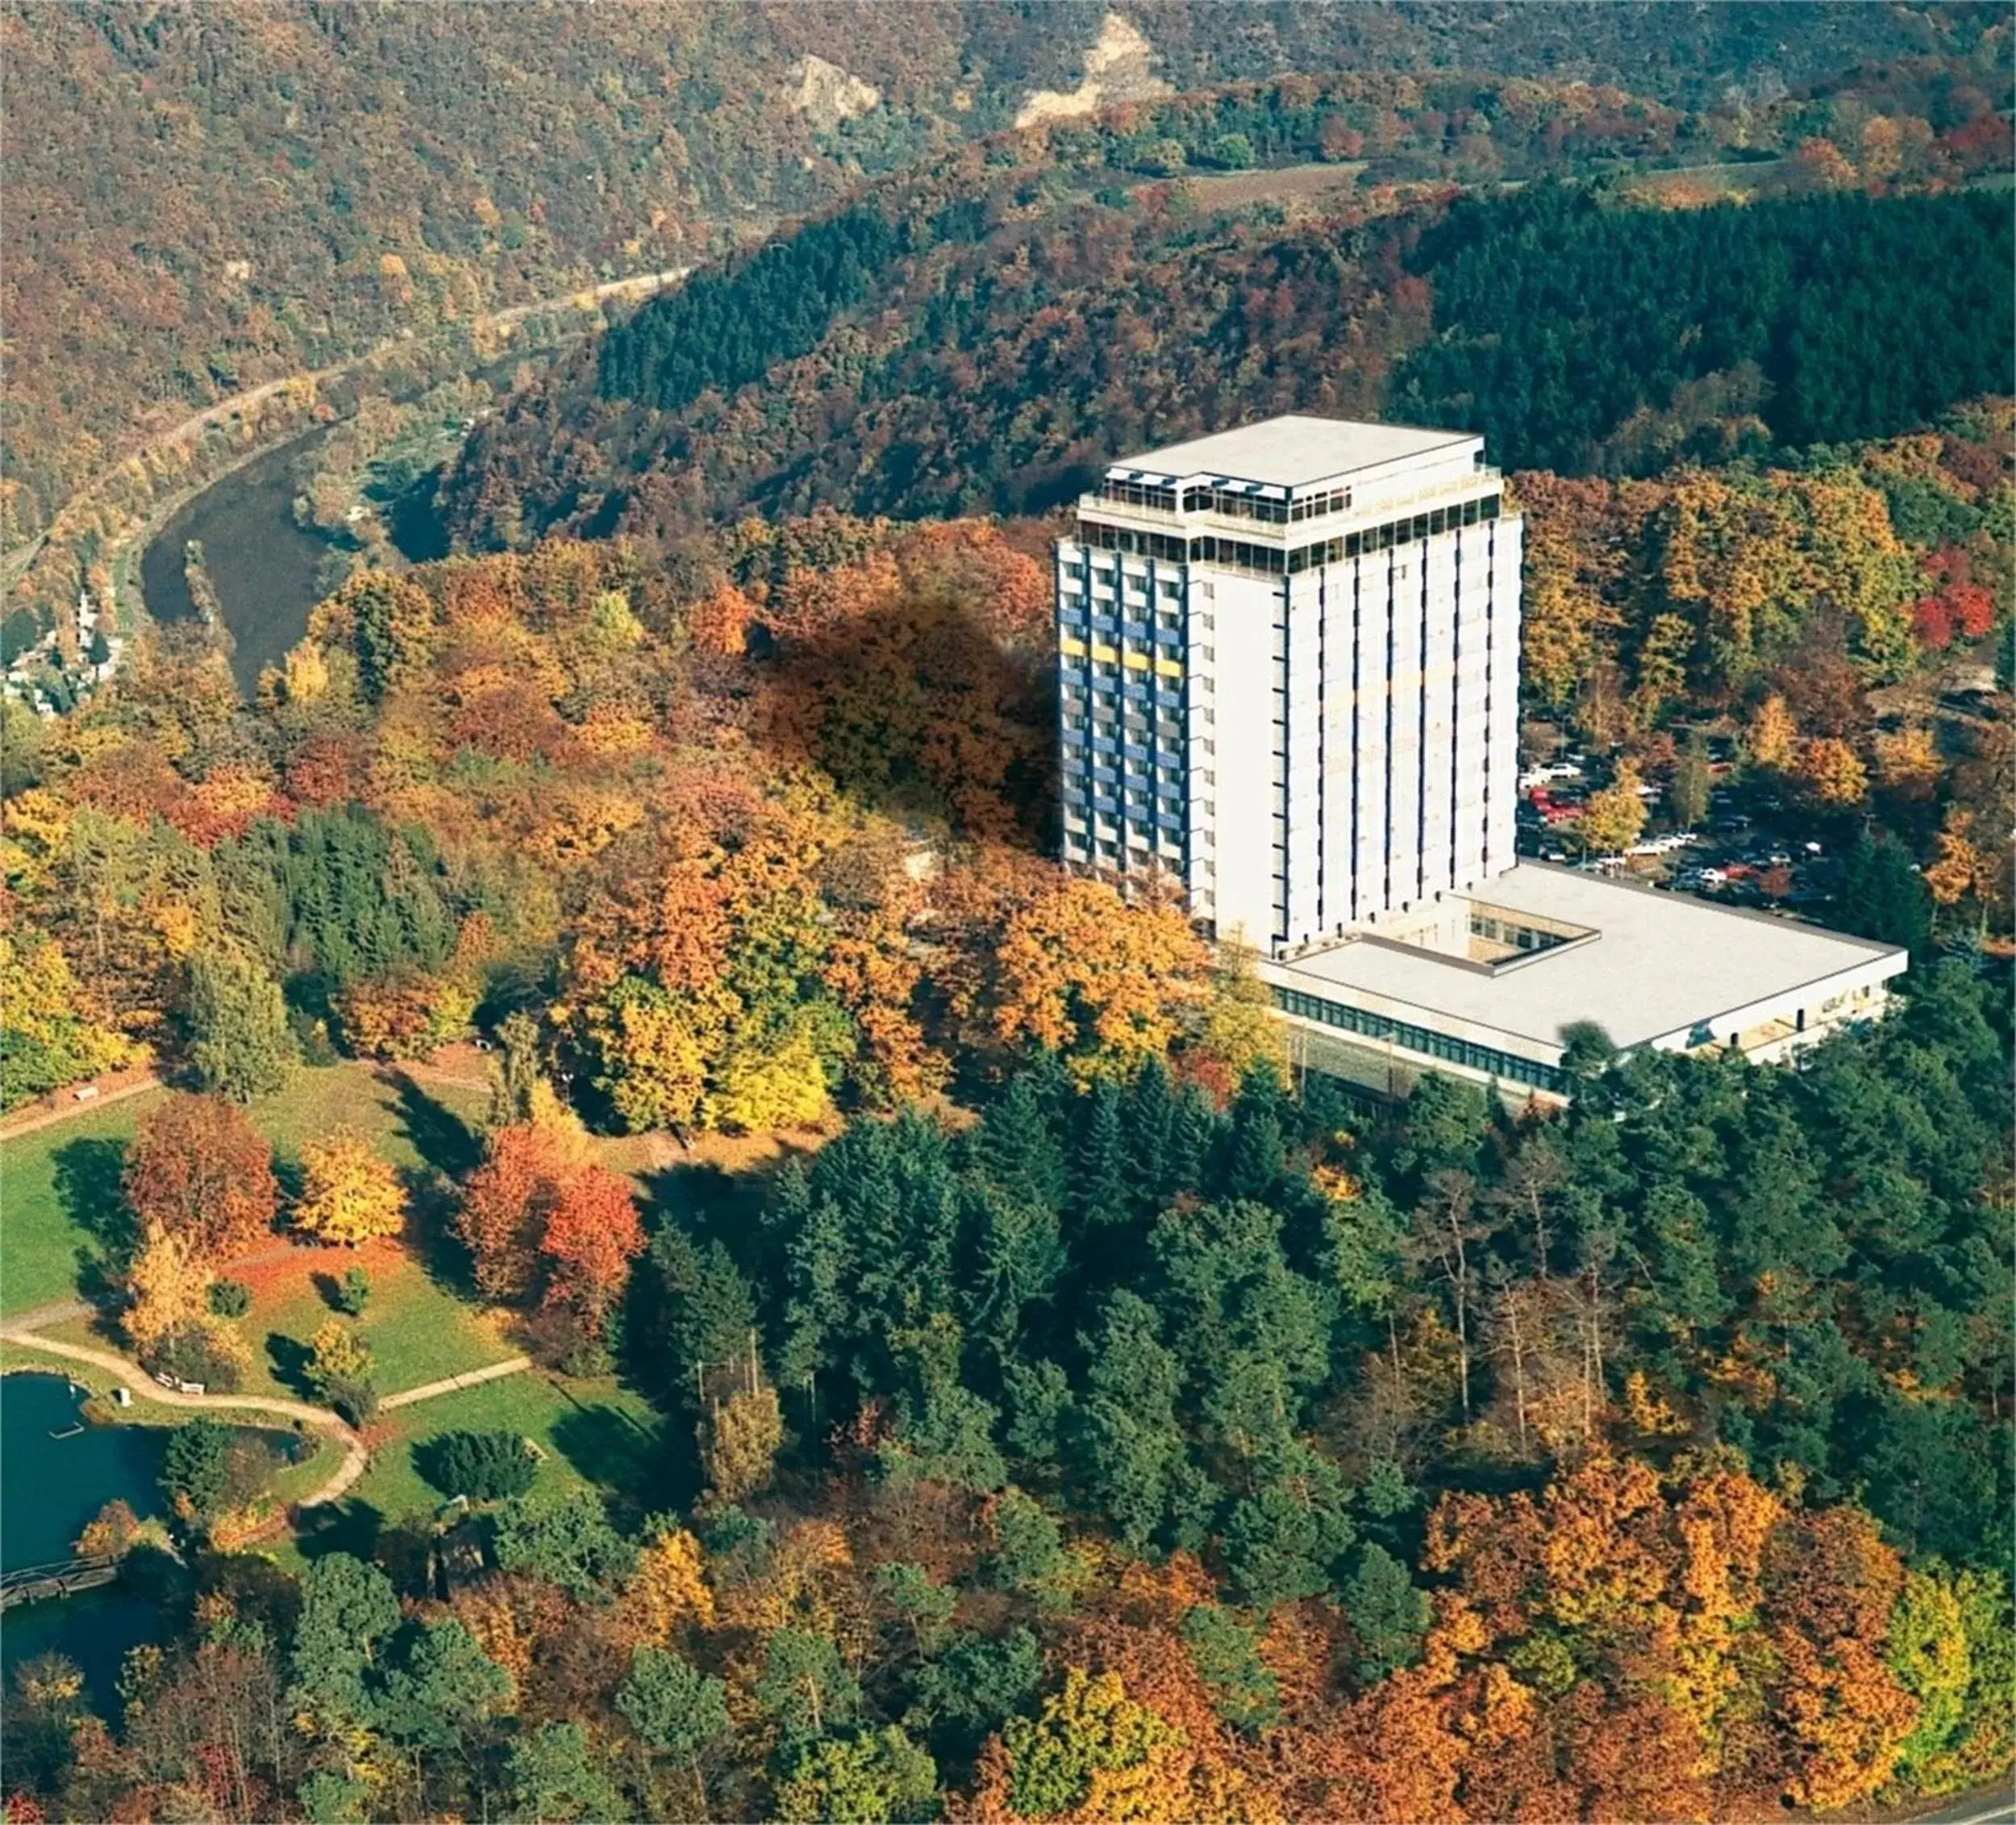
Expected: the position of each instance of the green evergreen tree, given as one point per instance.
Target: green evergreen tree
(1193, 1135)
(557, 1772)
(1101, 1189)
(1014, 1147)
(1389, 1616)
(440, 1688)
(676, 1709)
(1147, 1123)
(1226, 1655)
(348, 1610)
(1882, 896)
(806, 1686)
(239, 1043)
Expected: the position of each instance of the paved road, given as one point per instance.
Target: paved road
(1991, 1808)
(355, 1457)
(222, 411)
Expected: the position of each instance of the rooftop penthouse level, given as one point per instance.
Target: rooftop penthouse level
(1296, 491)
(1287, 665)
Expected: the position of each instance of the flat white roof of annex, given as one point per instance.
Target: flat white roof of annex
(1294, 451)
(1662, 965)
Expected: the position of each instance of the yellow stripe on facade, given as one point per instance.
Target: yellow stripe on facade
(1136, 662)
(1104, 653)
(1071, 648)
(1168, 669)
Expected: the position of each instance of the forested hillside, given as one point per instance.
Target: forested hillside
(1097, 1417)
(202, 200)
(977, 339)
(947, 1358)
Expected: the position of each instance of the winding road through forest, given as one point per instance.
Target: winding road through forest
(15, 563)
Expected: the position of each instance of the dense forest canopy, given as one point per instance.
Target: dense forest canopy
(1101, 1407)
(1579, 332)
(1558, 321)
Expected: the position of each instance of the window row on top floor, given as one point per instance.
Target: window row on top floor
(1271, 560)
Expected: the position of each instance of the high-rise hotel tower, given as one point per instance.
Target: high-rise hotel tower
(1289, 660)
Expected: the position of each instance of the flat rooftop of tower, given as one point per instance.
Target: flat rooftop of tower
(1660, 964)
(1293, 451)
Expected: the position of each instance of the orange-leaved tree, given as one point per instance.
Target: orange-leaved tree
(200, 1171)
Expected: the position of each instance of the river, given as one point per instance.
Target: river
(49, 1488)
(262, 562)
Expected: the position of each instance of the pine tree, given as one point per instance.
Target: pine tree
(1148, 1122)
(1254, 1153)
(240, 1042)
(1014, 1147)
(1101, 1193)
(1192, 1133)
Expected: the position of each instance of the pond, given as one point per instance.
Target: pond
(50, 1488)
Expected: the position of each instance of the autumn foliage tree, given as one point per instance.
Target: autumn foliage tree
(537, 1216)
(199, 1171)
(348, 1194)
(591, 1236)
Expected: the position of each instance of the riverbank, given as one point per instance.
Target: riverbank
(94, 543)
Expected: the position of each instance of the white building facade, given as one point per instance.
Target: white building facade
(1288, 659)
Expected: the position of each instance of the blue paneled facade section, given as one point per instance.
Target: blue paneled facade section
(1093, 778)
(1423, 1041)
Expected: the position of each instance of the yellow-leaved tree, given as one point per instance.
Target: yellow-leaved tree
(348, 1194)
(165, 1287)
(1832, 772)
(669, 1590)
(1616, 815)
(1101, 981)
(1772, 734)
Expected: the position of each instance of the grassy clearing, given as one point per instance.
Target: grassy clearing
(60, 1201)
(418, 1330)
(59, 1193)
(594, 1433)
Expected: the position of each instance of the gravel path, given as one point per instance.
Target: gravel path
(448, 1384)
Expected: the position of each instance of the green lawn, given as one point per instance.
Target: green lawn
(418, 1330)
(59, 1185)
(594, 1433)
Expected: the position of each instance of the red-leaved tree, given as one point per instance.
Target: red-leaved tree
(200, 1170)
(537, 1217)
(592, 1236)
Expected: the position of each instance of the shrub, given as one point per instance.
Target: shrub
(353, 1293)
(195, 1466)
(483, 1466)
(228, 1298)
(337, 1353)
(212, 1353)
(355, 1397)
